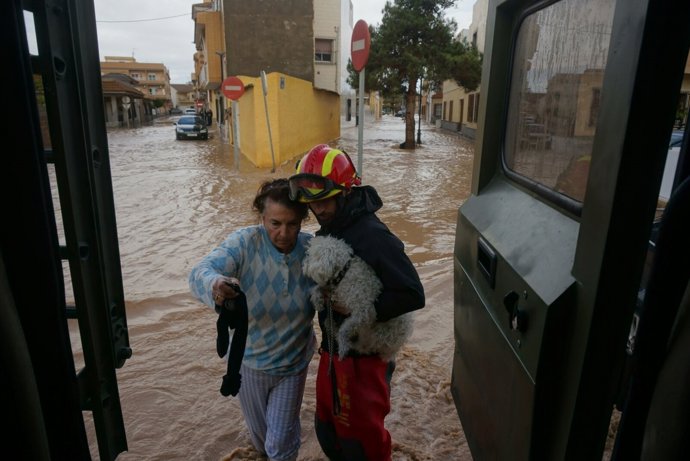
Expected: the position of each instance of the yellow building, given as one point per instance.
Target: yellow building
(298, 45)
(299, 116)
(209, 59)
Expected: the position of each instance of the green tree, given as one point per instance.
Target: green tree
(416, 41)
(393, 92)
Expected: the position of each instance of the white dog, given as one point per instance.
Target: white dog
(351, 283)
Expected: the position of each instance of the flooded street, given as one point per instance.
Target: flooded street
(175, 200)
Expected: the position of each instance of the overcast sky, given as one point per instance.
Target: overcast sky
(153, 33)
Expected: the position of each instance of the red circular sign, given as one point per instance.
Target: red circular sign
(361, 40)
(232, 87)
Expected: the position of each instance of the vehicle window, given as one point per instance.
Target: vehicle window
(190, 120)
(555, 91)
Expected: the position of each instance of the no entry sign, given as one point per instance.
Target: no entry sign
(232, 87)
(361, 39)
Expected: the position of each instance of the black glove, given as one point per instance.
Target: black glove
(233, 314)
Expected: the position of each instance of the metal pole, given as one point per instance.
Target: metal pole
(264, 85)
(221, 116)
(235, 138)
(360, 126)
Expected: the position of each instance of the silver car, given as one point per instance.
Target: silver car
(191, 126)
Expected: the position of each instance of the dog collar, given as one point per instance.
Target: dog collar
(336, 280)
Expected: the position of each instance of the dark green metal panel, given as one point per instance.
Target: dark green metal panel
(504, 372)
(546, 391)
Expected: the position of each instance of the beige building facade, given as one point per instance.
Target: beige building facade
(153, 79)
(459, 107)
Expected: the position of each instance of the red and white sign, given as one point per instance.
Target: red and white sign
(361, 40)
(232, 87)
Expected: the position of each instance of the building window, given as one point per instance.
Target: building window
(554, 100)
(323, 50)
(152, 91)
(151, 77)
(475, 115)
(473, 108)
(135, 75)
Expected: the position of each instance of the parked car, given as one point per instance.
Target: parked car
(175, 111)
(190, 111)
(191, 126)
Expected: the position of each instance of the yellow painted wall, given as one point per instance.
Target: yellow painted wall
(300, 117)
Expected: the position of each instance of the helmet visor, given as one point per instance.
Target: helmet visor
(311, 186)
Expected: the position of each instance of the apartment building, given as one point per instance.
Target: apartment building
(209, 58)
(153, 79)
(459, 110)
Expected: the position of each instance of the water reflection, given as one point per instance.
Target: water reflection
(555, 93)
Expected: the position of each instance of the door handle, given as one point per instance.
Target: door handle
(517, 318)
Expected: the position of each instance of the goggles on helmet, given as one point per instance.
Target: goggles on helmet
(311, 186)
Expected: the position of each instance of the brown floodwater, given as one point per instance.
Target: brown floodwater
(176, 200)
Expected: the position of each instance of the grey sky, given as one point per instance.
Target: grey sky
(163, 31)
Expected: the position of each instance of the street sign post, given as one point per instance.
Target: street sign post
(233, 88)
(360, 43)
(264, 87)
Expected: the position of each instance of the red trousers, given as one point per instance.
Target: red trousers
(351, 427)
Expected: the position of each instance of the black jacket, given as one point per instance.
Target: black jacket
(357, 224)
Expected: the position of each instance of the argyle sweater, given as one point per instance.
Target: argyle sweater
(280, 337)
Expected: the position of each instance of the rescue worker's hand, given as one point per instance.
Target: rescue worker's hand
(222, 289)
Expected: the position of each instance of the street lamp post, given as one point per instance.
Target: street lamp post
(221, 115)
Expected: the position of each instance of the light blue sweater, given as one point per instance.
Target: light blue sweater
(280, 337)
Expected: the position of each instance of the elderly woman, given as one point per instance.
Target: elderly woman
(265, 261)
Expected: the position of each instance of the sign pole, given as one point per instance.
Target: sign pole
(264, 86)
(360, 44)
(360, 125)
(235, 137)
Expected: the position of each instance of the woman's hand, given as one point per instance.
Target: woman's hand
(335, 305)
(222, 289)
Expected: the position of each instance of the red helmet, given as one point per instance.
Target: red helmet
(323, 172)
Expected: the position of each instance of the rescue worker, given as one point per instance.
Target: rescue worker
(353, 392)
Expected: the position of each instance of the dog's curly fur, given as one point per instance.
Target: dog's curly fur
(357, 291)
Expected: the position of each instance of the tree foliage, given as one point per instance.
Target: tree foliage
(416, 41)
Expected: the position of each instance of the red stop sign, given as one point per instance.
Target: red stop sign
(361, 39)
(232, 87)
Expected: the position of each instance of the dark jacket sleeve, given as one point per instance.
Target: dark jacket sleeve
(385, 253)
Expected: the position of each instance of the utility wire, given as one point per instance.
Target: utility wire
(146, 20)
